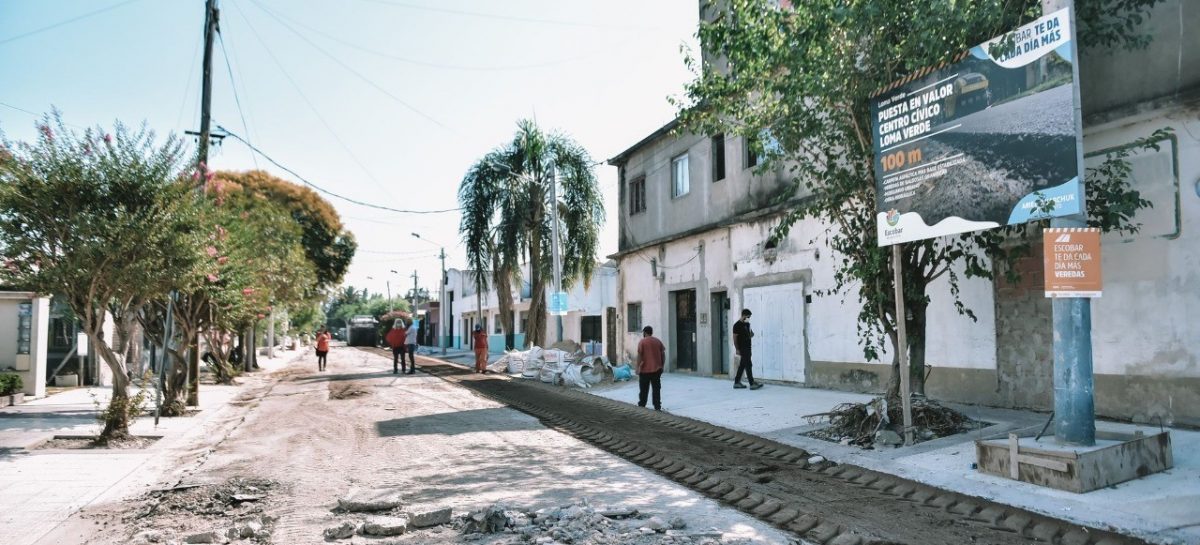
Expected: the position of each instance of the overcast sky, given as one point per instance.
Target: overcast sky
(383, 101)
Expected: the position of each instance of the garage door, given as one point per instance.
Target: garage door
(778, 324)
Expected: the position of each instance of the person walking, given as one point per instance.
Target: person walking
(479, 340)
(412, 336)
(742, 335)
(323, 338)
(650, 357)
(397, 339)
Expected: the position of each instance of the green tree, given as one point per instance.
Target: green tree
(804, 76)
(103, 221)
(326, 242)
(507, 217)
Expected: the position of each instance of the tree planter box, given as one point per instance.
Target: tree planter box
(1116, 458)
(11, 399)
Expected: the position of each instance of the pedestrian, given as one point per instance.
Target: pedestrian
(650, 357)
(323, 337)
(412, 336)
(742, 334)
(396, 338)
(479, 340)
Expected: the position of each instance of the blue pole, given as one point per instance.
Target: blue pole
(1074, 402)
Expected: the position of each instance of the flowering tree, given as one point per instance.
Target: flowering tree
(102, 220)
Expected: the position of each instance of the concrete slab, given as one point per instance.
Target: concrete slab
(1162, 508)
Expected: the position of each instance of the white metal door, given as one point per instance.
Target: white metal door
(778, 324)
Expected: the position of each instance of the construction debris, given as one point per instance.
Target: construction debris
(878, 423)
(579, 523)
(370, 500)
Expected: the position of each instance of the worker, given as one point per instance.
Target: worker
(480, 340)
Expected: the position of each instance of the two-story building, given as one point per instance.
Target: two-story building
(694, 220)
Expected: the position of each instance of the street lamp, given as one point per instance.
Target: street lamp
(443, 308)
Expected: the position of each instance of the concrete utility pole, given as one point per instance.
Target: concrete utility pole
(1074, 401)
(211, 16)
(442, 340)
(415, 293)
(555, 249)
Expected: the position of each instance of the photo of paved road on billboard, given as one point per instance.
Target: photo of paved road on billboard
(983, 142)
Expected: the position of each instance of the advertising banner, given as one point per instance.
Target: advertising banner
(983, 142)
(558, 303)
(1072, 262)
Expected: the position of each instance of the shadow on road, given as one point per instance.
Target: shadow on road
(457, 423)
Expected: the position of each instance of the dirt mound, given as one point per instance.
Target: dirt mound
(348, 390)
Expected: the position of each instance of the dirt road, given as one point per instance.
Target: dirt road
(303, 439)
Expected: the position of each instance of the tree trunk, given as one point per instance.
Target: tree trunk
(536, 336)
(915, 331)
(503, 282)
(117, 414)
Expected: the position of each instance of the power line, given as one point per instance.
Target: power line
(66, 21)
(326, 191)
(311, 106)
(509, 17)
(358, 74)
(39, 116)
(419, 62)
(187, 91)
(236, 99)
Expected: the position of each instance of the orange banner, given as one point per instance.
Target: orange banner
(1072, 261)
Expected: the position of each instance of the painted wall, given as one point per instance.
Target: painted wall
(33, 373)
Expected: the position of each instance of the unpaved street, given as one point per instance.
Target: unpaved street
(297, 448)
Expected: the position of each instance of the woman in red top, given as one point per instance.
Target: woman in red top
(480, 341)
(323, 338)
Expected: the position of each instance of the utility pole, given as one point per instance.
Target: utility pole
(555, 250)
(442, 306)
(211, 16)
(415, 294)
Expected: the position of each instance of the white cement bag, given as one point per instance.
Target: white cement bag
(551, 373)
(594, 370)
(573, 375)
(500, 365)
(516, 362)
(533, 363)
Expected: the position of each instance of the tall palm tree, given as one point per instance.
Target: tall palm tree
(507, 217)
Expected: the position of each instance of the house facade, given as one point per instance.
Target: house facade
(694, 221)
(590, 317)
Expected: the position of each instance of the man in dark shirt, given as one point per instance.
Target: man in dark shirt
(651, 355)
(742, 334)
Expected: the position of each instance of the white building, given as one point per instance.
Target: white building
(590, 316)
(694, 219)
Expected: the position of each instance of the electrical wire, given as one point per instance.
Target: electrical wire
(39, 116)
(236, 99)
(66, 21)
(311, 106)
(235, 136)
(347, 67)
(187, 90)
(501, 17)
(427, 64)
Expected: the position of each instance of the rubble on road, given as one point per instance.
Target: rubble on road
(227, 512)
(370, 500)
(579, 524)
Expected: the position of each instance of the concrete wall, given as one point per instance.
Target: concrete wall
(32, 366)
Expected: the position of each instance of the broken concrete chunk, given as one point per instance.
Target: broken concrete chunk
(370, 500)
(678, 523)
(619, 513)
(342, 531)
(385, 526)
(429, 517)
(205, 537)
(888, 438)
(150, 536)
(816, 460)
(657, 524)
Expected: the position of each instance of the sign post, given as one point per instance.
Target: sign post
(993, 138)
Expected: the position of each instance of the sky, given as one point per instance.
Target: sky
(382, 101)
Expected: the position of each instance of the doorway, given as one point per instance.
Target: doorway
(719, 316)
(685, 329)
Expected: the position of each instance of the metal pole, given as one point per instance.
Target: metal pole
(555, 249)
(211, 17)
(1074, 402)
(902, 343)
(442, 307)
(271, 333)
(388, 283)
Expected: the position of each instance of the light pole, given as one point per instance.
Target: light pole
(443, 309)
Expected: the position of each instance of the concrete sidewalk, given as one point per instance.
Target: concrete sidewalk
(1162, 508)
(39, 489)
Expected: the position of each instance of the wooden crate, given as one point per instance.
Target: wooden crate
(1117, 457)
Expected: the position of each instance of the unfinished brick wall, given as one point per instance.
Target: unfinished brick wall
(1024, 337)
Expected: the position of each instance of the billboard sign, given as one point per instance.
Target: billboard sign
(1072, 262)
(986, 141)
(558, 303)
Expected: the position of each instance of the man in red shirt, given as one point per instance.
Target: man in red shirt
(397, 338)
(650, 357)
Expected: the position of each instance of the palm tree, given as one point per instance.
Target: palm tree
(506, 220)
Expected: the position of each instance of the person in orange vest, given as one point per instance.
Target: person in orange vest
(323, 338)
(396, 339)
(480, 341)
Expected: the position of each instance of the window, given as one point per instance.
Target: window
(718, 157)
(524, 321)
(633, 317)
(589, 329)
(496, 325)
(757, 148)
(637, 196)
(680, 184)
